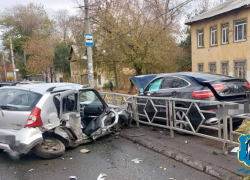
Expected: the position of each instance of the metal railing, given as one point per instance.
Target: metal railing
(165, 113)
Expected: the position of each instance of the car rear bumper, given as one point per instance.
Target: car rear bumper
(21, 141)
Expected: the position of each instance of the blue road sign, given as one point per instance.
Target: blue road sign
(89, 40)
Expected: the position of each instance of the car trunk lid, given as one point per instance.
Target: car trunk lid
(16, 106)
(228, 89)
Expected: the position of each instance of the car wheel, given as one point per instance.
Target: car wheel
(1, 150)
(237, 123)
(180, 115)
(50, 148)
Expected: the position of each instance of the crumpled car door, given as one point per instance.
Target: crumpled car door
(70, 113)
(97, 118)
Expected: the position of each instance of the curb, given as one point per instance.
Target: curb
(187, 160)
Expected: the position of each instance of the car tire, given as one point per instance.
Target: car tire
(179, 115)
(1, 150)
(50, 148)
(237, 123)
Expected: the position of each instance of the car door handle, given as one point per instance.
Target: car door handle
(174, 92)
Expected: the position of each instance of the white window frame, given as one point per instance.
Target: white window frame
(245, 68)
(202, 67)
(224, 34)
(200, 34)
(214, 36)
(236, 26)
(221, 68)
(209, 67)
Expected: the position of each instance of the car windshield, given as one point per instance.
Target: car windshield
(15, 99)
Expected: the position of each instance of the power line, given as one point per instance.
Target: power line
(180, 5)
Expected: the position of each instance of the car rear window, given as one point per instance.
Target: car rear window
(18, 100)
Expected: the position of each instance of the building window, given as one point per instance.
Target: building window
(214, 36)
(201, 67)
(99, 80)
(240, 31)
(240, 69)
(200, 38)
(212, 68)
(224, 34)
(224, 68)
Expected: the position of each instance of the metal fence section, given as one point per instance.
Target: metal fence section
(175, 114)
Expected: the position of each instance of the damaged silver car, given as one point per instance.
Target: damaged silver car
(45, 119)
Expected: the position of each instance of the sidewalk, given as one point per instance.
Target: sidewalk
(201, 153)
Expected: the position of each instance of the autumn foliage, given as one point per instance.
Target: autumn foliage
(40, 53)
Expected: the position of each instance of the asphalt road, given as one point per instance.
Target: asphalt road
(108, 155)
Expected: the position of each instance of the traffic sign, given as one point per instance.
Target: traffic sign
(89, 40)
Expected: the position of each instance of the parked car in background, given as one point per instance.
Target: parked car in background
(47, 118)
(193, 86)
(2, 84)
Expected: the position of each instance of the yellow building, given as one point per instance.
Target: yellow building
(79, 68)
(220, 39)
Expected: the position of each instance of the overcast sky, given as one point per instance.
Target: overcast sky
(49, 5)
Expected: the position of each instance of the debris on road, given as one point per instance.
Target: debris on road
(136, 160)
(186, 142)
(109, 141)
(101, 176)
(137, 135)
(215, 153)
(61, 158)
(161, 132)
(73, 178)
(31, 170)
(64, 168)
(235, 150)
(161, 167)
(165, 169)
(84, 151)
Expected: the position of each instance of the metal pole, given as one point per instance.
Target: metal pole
(12, 60)
(89, 48)
(4, 66)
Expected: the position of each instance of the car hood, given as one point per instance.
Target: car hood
(142, 81)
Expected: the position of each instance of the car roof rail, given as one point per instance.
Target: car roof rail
(50, 89)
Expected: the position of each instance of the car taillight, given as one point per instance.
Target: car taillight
(203, 94)
(247, 85)
(34, 119)
(208, 93)
(219, 87)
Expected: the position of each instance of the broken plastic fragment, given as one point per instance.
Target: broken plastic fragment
(73, 178)
(84, 151)
(31, 170)
(101, 176)
(235, 150)
(136, 160)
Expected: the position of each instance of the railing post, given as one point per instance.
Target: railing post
(225, 144)
(135, 110)
(171, 117)
(114, 102)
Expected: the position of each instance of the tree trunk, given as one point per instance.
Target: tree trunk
(24, 57)
(116, 77)
(51, 74)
